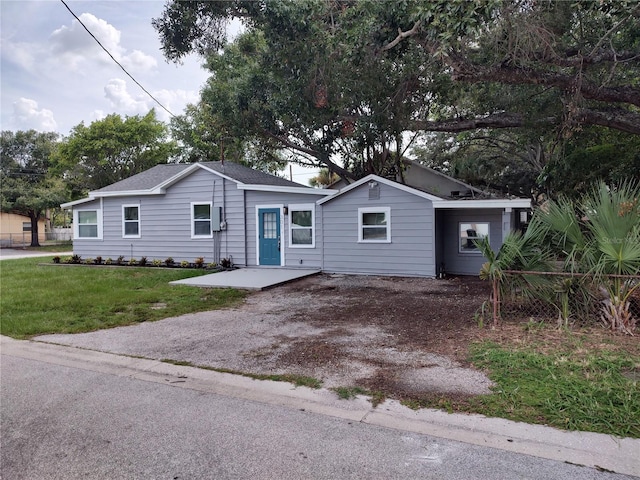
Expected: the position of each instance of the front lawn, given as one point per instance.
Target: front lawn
(38, 299)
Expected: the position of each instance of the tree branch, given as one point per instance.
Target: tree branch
(320, 156)
(618, 119)
(401, 36)
(496, 120)
(517, 76)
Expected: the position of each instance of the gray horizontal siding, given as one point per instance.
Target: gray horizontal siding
(293, 257)
(165, 223)
(411, 251)
(468, 263)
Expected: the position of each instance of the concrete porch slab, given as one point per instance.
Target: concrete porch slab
(248, 278)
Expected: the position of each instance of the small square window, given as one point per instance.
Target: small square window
(131, 221)
(469, 234)
(301, 226)
(374, 225)
(201, 220)
(87, 224)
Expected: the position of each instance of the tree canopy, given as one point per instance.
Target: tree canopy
(27, 186)
(350, 79)
(112, 149)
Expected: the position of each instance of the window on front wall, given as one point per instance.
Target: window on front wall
(26, 226)
(301, 226)
(87, 224)
(469, 234)
(201, 220)
(131, 221)
(374, 225)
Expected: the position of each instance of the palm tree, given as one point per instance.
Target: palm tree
(519, 251)
(600, 237)
(323, 179)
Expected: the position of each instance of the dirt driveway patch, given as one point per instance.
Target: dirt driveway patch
(403, 336)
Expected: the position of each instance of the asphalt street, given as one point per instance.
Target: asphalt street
(63, 422)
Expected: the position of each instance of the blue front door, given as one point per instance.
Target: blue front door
(269, 236)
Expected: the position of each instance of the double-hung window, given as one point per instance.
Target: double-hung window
(131, 221)
(374, 225)
(87, 224)
(302, 226)
(469, 234)
(201, 220)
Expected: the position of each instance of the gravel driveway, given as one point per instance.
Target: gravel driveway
(403, 335)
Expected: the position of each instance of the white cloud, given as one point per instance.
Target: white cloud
(22, 54)
(97, 115)
(120, 99)
(74, 46)
(138, 60)
(26, 115)
(123, 101)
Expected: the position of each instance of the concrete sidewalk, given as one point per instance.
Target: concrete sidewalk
(594, 450)
(15, 253)
(249, 278)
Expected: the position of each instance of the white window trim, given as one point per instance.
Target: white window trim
(124, 235)
(475, 251)
(76, 223)
(386, 211)
(303, 208)
(193, 233)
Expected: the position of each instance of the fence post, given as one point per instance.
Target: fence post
(496, 302)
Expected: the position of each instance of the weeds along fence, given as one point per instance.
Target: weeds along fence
(568, 299)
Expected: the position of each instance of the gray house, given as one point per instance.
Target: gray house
(216, 211)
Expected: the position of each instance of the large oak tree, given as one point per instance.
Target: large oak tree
(26, 184)
(325, 78)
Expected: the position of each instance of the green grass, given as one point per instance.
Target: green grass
(37, 299)
(348, 393)
(59, 247)
(596, 392)
(297, 380)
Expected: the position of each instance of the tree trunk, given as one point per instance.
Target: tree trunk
(34, 216)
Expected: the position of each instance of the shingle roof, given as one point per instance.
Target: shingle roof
(249, 176)
(159, 174)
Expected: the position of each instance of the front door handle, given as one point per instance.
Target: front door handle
(278, 243)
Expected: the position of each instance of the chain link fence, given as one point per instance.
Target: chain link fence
(23, 239)
(567, 298)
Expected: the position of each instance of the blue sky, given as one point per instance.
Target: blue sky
(53, 75)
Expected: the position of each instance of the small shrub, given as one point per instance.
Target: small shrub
(156, 262)
(108, 261)
(76, 259)
(68, 260)
(169, 262)
(98, 260)
(56, 259)
(199, 262)
(89, 261)
(184, 264)
(120, 260)
(133, 261)
(226, 263)
(212, 265)
(143, 261)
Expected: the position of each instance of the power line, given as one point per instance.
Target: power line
(116, 61)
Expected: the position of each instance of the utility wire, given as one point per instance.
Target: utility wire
(116, 61)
